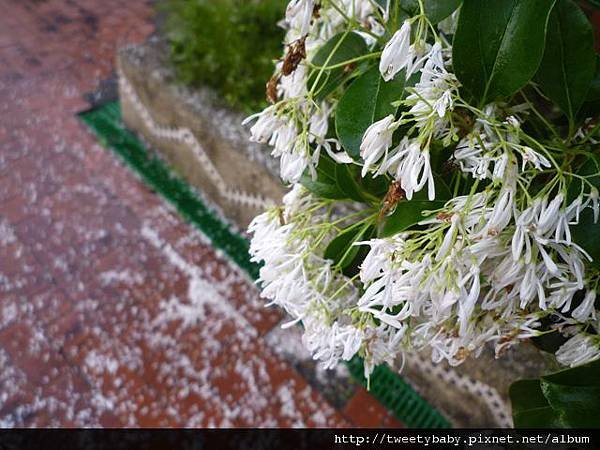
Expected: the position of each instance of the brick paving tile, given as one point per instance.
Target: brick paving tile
(364, 411)
(113, 311)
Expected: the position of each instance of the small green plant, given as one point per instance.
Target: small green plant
(225, 44)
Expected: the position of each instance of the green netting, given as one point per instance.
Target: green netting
(106, 124)
(385, 385)
(398, 396)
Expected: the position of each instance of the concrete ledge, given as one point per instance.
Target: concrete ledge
(243, 166)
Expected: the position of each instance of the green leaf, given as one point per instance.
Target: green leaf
(411, 212)
(569, 61)
(594, 92)
(347, 180)
(376, 187)
(340, 48)
(368, 99)
(586, 233)
(586, 375)
(341, 251)
(569, 398)
(407, 214)
(549, 342)
(325, 184)
(498, 45)
(435, 10)
(530, 408)
(575, 395)
(591, 107)
(576, 406)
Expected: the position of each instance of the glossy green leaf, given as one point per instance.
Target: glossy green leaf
(549, 342)
(569, 398)
(594, 92)
(530, 408)
(577, 406)
(591, 107)
(347, 178)
(341, 251)
(325, 184)
(569, 61)
(586, 233)
(410, 212)
(376, 187)
(407, 214)
(340, 48)
(498, 45)
(368, 99)
(586, 375)
(435, 10)
(575, 395)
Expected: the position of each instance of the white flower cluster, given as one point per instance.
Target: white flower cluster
(492, 266)
(288, 240)
(296, 122)
(429, 110)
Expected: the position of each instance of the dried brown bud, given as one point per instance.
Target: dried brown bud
(296, 53)
(281, 217)
(272, 88)
(316, 11)
(394, 194)
(446, 217)
(348, 68)
(462, 354)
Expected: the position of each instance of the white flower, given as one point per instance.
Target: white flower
(580, 349)
(594, 199)
(319, 122)
(361, 10)
(433, 95)
(293, 164)
(378, 260)
(299, 15)
(396, 55)
(482, 268)
(376, 141)
(467, 303)
(513, 121)
(382, 346)
(530, 156)
(586, 309)
(410, 165)
(475, 155)
(293, 85)
(330, 344)
(501, 214)
(267, 123)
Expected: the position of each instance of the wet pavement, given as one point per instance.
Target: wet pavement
(114, 311)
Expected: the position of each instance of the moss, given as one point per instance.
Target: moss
(225, 44)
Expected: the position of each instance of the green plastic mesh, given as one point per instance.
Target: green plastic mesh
(105, 121)
(398, 396)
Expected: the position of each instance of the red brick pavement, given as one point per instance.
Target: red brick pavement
(113, 312)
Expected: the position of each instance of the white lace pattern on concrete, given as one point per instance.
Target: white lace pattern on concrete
(185, 135)
(450, 377)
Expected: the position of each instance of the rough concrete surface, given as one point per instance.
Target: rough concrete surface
(243, 165)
